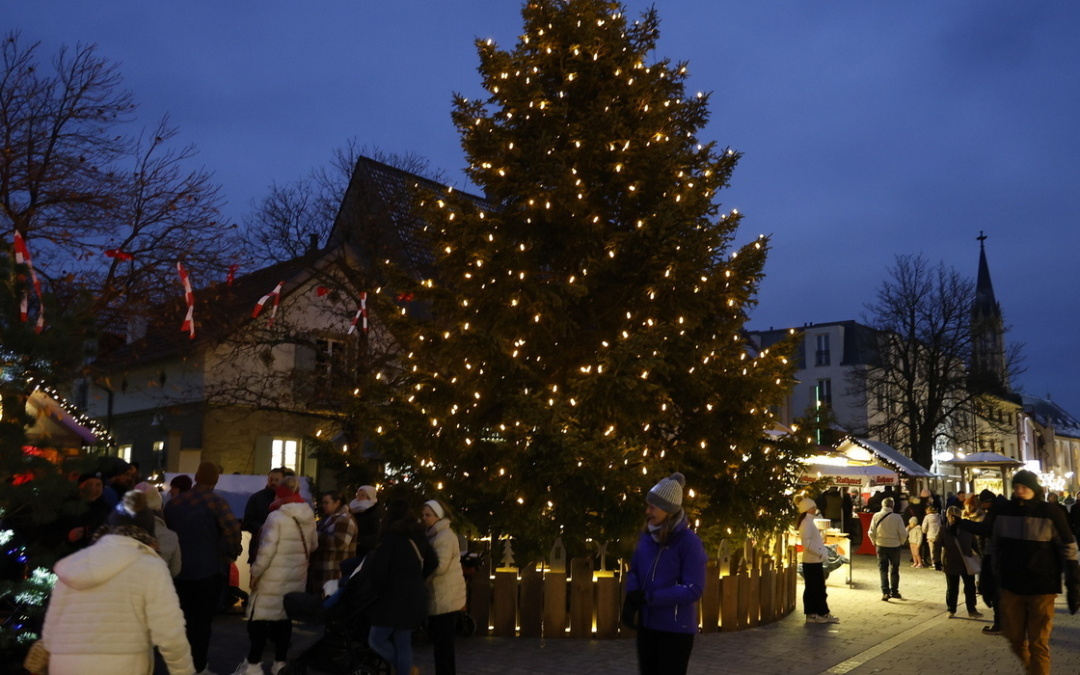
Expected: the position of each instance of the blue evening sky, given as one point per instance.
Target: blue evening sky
(869, 128)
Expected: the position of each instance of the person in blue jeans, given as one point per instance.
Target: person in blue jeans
(395, 571)
(665, 581)
(889, 535)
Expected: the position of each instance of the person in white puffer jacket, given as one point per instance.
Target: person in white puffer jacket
(113, 602)
(286, 541)
(446, 585)
(814, 555)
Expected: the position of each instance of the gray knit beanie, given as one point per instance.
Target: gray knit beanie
(667, 494)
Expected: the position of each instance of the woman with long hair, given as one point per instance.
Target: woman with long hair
(446, 585)
(814, 555)
(665, 581)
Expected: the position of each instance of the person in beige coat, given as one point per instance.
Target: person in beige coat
(286, 541)
(446, 585)
(114, 602)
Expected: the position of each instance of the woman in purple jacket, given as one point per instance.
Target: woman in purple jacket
(666, 578)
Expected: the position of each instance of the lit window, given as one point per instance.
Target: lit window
(124, 453)
(284, 452)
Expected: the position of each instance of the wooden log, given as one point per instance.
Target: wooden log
(729, 603)
(554, 605)
(531, 609)
(480, 595)
(769, 610)
(792, 585)
(581, 598)
(504, 604)
(710, 598)
(753, 604)
(743, 611)
(723, 556)
(624, 631)
(608, 607)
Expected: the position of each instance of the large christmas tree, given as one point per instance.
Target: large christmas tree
(582, 337)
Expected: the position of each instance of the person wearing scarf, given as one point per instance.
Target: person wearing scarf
(114, 601)
(665, 581)
(446, 585)
(286, 541)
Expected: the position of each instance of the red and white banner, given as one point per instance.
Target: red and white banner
(360, 314)
(22, 257)
(189, 298)
(276, 295)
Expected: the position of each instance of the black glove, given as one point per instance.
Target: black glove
(631, 610)
(1073, 597)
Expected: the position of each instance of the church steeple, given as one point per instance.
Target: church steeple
(987, 333)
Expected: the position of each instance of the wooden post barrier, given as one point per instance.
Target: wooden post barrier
(480, 595)
(753, 604)
(607, 607)
(504, 607)
(554, 605)
(743, 611)
(710, 598)
(531, 603)
(531, 611)
(581, 598)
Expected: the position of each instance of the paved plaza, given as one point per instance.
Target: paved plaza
(913, 636)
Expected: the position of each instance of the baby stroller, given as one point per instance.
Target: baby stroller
(343, 648)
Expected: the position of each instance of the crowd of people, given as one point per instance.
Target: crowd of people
(153, 569)
(149, 568)
(1014, 552)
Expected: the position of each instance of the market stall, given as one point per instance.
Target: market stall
(984, 470)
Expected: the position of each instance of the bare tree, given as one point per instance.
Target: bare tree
(106, 214)
(918, 389)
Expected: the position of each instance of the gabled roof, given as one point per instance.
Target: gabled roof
(888, 456)
(1050, 414)
(219, 310)
(377, 217)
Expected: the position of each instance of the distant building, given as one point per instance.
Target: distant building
(243, 393)
(825, 360)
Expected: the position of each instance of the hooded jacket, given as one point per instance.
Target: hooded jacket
(112, 602)
(672, 576)
(281, 562)
(447, 582)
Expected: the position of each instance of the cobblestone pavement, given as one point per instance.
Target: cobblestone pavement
(913, 636)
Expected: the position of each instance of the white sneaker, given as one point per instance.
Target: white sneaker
(246, 668)
(811, 618)
(276, 667)
(829, 618)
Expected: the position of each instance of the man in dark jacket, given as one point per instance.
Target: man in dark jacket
(1031, 546)
(209, 537)
(258, 508)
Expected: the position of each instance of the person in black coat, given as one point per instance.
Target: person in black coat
(395, 572)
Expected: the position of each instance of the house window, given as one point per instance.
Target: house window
(285, 452)
(124, 453)
(821, 357)
(330, 361)
(823, 392)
